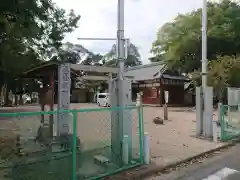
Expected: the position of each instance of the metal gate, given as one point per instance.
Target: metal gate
(230, 122)
(87, 153)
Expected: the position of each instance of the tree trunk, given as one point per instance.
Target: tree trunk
(16, 99)
(1, 95)
(221, 91)
(6, 99)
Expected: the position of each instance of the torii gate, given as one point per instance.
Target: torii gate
(120, 124)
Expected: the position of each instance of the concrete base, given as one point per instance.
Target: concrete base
(101, 159)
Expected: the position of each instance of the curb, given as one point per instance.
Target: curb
(149, 170)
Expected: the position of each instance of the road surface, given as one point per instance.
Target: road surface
(223, 166)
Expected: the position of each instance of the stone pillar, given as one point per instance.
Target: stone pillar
(199, 111)
(64, 86)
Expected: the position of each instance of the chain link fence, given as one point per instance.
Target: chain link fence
(230, 121)
(31, 149)
(27, 148)
(96, 131)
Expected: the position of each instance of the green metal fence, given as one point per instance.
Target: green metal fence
(28, 151)
(230, 122)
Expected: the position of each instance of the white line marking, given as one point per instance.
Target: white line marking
(212, 177)
(221, 174)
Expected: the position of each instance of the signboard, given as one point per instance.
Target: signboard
(64, 85)
(166, 96)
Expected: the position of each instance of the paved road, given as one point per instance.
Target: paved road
(224, 166)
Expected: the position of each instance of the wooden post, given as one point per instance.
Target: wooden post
(165, 112)
(165, 109)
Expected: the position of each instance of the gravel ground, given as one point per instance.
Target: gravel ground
(170, 142)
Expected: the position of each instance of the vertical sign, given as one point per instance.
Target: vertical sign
(166, 96)
(64, 85)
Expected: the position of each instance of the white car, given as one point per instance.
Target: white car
(103, 99)
(26, 99)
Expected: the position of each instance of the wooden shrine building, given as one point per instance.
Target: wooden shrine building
(153, 79)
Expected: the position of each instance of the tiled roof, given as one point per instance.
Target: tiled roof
(145, 72)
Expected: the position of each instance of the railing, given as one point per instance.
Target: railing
(96, 145)
(230, 122)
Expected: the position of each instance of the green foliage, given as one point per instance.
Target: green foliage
(74, 53)
(133, 58)
(222, 72)
(93, 59)
(178, 43)
(27, 30)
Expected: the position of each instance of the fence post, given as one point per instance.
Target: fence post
(141, 132)
(125, 150)
(222, 122)
(74, 153)
(146, 148)
(215, 131)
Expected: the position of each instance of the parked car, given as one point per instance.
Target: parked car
(26, 99)
(103, 99)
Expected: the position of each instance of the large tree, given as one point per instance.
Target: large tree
(222, 72)
(28, 28)
(178, 43)
(74, 53)
(31, 27)
(133, 56)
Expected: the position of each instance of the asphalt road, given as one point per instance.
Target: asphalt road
(223, 166)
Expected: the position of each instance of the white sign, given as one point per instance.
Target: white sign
(64, 85)
(166, 95)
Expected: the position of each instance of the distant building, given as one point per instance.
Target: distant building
(153, 79)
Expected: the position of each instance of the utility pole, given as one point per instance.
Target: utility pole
(207, 92)
(121, 127)
(204, 69)
(120, 39)
(204, 44)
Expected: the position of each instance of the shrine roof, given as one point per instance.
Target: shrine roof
(49, 67)
(44, 69)
(152, 71)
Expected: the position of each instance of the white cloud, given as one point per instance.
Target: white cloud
(143, 18)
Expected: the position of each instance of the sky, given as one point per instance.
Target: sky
(143, 18)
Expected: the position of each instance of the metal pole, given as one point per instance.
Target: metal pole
(120, 39)
(207, 120)
(204, 44)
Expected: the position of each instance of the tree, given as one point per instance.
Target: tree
(31, 26)
(93, 59)
(27, 30)
(74, 53)
(178, 43)
(222, 72)
(133, 57)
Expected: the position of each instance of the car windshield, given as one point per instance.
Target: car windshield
(102, 96)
